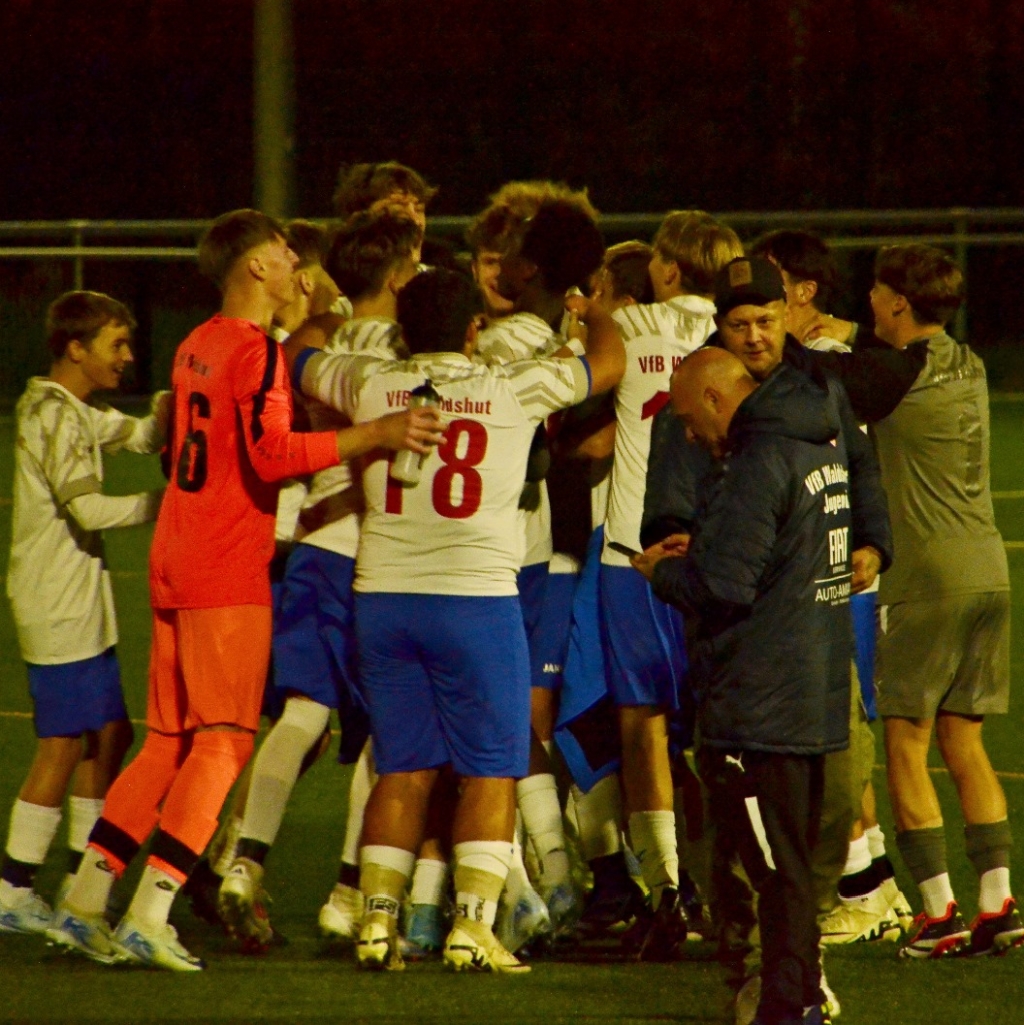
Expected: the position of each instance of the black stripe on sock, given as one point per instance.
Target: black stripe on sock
(115, 840)
(171, 850)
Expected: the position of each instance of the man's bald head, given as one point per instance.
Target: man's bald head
(707, 389)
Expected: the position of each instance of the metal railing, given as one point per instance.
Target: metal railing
(958, 227)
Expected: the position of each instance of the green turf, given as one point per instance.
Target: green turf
(304, 982)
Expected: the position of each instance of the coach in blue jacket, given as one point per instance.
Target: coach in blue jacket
(765, 582)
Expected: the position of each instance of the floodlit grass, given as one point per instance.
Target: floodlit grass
(302, 981)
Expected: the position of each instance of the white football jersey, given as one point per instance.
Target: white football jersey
(515, 337)
(338, 486)
(455, 531)
(57, 579)
(657, 337)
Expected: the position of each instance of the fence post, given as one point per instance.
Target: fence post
(960, 225)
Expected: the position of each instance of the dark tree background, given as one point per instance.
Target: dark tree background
(143, 109)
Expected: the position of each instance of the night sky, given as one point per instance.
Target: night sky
(143, 109)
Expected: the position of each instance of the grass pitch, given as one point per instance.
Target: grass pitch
(302, 981)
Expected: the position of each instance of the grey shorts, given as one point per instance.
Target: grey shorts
(951, 655)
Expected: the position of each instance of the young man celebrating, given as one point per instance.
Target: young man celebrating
(443, 659)
(314, 641)
(944, 638)
(59, 585)
(210, 590)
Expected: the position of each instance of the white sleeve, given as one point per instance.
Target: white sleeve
(544, 386)
(336, 378)
(95, 511)
(117, 431)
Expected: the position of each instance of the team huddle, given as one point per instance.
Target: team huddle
(605, 559)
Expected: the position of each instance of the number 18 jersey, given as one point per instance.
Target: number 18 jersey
(455, 531)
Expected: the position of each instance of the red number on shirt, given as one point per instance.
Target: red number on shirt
(654, 405)
(462, 467)
(192, 466)
(455, 465)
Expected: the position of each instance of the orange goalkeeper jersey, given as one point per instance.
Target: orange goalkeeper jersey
(231, 443)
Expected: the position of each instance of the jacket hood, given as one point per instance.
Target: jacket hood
(790, 404)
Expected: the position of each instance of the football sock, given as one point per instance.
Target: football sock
(202, 784)
(988, 847)
(276, 767)
(363, 778)
(151, 905)
(384, 875)
(517, 882)
(542, 816)
(84, 813)
(90, 888)
(859, 875)
(598, 816)
(652, 836)
(134, 797)
(937, 894)
(480, 870)
(876, 841)
(428, 881)
(32, 829)
(924, 854)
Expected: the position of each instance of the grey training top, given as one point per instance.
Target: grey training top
(934, 455)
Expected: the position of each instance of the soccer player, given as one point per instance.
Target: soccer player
(371, 259)
(436, 605)
(551, 244)
(59, 585)
(210, 591)
(643, 636)
(943, 643)
(378, 186)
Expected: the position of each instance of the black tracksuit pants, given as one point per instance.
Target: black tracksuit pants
(766, 808)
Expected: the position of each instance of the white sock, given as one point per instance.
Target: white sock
(481, 868)
(151, 906)
(542, 815)
(652, 835)
(858, 857)
(90, 889)
(428, 882)
(937, 894)
(517, 882)
(83, 813)
(363, 778)
(383, 876)
(33, 827)
(276, 767)
(995, 890)
(876, 841)
(599, 817)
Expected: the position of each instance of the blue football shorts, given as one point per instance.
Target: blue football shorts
(644, 647)
(446, 678)
(70, 698)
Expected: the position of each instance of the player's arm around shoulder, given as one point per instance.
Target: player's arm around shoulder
(336, 379)
(606, 355)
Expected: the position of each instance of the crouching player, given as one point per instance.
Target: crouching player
(210, 590)
(444, 666)
(59, 585)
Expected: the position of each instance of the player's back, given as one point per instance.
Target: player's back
(933, 450)
(657, 338)
(215, 534)
(455, 531)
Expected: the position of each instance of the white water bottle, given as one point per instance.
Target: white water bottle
(407, 465)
